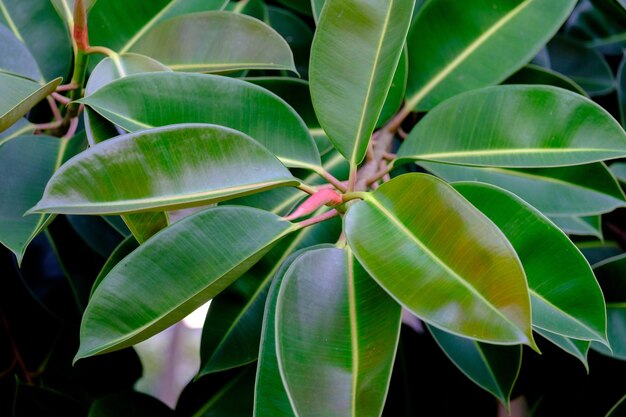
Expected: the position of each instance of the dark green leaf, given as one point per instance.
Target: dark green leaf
(301, 6)
(129, 404)
(37, 25)
(586, 66)
(354, 55)
(449, 265)
(504, 34)
(494, 368)
(169, 167)
(619, 170)
(254, 8)
(15, 56)
(297, 34)
(570, 191)
(580, 226)
(327, 296)
(619, 409)
(26, 165)
(534, 74)
(232, 329)
(215, 41)
(576, 348)
(182, 267)
(565, 296)
(506, 126)
(124, 249)
(147, 100)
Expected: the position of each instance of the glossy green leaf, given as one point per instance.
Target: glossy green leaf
(20, 128)
(232, 329)
(506, 35)
(621, 90)
(96, 233)
(271, 397)
(189, 263)
(327, 296)
(298, 35)
(19, 95)
(534, 74)
(129, 404)
(619, 170)
(37, 25)
(449, 265)
(586, 66)
(611, 274)
(597, 251)
(300, 6)
(170, 167)
(494, 368)
(576, 348)
(215, 41)
(15, 56)
(506, 126)
(26, 165)
(580, 226)
(565, 296)
(619, 409)
(254, 8)
(121, 251)
(599, 25)
(229, 393)
(354, 55)
(395, 97)
(147, 100)
(570, 191)
(120, 24)
(316, 7)
(142, 225)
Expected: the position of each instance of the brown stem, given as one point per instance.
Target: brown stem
(81, 32)
(56, 113)
(45, 126)
(61, 99)
(331, 179)
(72, 128)
(66, 87)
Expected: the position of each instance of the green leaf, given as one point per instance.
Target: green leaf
(354, 55)
(619, 170)
(395, 97)
(618, 409)
(586, 66)
(254, 8)
(20, 128)
(449, 265)
(26, 165)
(576, 348)
(142, 225)
(182, 267)
(504, 34)
(599, 25)
(301, 6)
(129, 404)
(120, 252)
(621, 89)
(147, 100)
(37, 25)
(316, 7)
(565, 296)
(570, 191)
(215, 41)
(120, 24)
(15, 56)
(271, 397)
(298, 35)
(327, 296)
(169, 167)
(19, 95)
(232, 329)
(96, 233)
(493, 368)
(611, 274)
(534, 74)
(580, 226)
(597, 251)
(506, 126)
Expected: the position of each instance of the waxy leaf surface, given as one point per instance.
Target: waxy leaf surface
(181, 267)
(169, 167)
(336, 336)
(449, 265)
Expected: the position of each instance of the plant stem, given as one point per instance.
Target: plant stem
(331, 179)
(360, 195)
(45, 126)
(352, 179)
(318, 219)
(307, 189)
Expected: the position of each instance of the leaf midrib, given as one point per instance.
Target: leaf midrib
(447, 70)
(374, 202)
(149, 25)
(10, 21)
(368, 93)
(544, 151)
